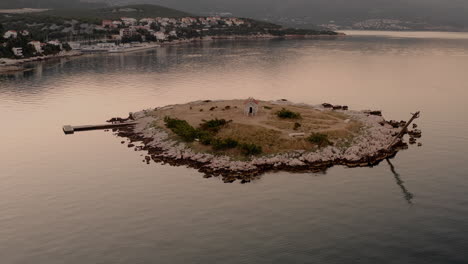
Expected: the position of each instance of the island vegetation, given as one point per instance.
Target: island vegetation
(229, 138)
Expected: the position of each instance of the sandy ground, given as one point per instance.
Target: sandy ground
(264, 129)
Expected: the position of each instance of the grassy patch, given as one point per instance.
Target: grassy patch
(319, 139)
(288, 114)
(213, 125)
(224, 144)
(181, 128)
(250, 149)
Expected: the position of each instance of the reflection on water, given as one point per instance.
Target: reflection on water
(89, 199)
(406, 194)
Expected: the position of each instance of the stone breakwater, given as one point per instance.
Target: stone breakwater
(367, 149)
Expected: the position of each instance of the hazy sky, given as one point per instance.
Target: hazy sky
(443, 10)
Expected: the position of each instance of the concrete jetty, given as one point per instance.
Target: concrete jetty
(68, 129)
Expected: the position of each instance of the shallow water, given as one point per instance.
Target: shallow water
(86, 198)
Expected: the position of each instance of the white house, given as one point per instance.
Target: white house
(10, 34)
(75, 45)
(117, 23)
(251, 107)
(37, 46)
(129, 21)
(148, 21)
(160, 36)
(173, 33)
(25, 33)
(55, 43)
(126, 32)
(17, 51)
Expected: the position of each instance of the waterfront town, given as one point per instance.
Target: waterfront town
(129, 34)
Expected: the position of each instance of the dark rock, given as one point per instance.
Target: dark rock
(345, 107)
(327, 105)
(116, 120)
(284, 100)
(229, 180)
(337, 107)
(412, 140)
(393, 123)
(415, 125)
(419, 144)
(131, 145)
(376, 113)
(122, 142)
(416, 133)
(207, 101)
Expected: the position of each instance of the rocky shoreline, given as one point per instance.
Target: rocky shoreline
(17, 65)
(367, 149)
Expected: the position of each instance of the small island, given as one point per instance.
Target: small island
(241, 139)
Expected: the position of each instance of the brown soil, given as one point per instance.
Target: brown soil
(265, 129)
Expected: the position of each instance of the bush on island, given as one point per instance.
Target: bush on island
(223, 144)
(319, 139)
(288, 114)
(181, 128)
(213, 125)
(250, 149)
(205, 137)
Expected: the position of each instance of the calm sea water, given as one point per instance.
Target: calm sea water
(86, 198)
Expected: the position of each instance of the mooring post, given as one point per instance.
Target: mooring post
(402, 132)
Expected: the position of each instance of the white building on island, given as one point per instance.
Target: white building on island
(251, 107)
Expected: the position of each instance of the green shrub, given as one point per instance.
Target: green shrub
(223, 144)
(285, 113)
(213, 125)
(250, 149)
(319, 139)
(205, 137)
(181, 128)
(297, 126)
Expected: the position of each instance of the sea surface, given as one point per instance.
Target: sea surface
(87, 198)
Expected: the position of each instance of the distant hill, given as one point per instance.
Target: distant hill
(452, 13)
(135, 11)
(10, 4)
